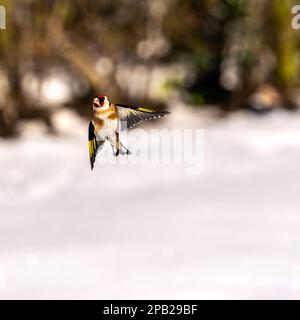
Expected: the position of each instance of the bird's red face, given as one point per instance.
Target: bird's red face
(99, 101)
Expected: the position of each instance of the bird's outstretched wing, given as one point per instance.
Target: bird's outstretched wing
(132, 115)
(94, 145)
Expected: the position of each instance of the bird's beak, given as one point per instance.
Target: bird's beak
(96, 103)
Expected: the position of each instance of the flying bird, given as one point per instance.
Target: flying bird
(109, 119)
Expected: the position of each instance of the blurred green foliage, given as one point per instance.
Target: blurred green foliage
(208, 51)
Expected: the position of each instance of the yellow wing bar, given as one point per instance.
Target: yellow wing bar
(145, 110)
(92, 147)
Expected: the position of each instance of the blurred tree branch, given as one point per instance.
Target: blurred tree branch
(229, 47)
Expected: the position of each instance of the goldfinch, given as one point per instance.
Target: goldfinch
(109, 119)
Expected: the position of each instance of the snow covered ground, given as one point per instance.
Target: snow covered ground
(151, 231)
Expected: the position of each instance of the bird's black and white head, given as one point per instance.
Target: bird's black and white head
(100, 102)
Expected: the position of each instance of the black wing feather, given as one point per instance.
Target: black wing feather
(133, 115)
(94, 145)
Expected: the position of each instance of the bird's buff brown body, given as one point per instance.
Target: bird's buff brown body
(101, 116)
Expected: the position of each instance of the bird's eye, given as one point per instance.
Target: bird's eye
(101, 100)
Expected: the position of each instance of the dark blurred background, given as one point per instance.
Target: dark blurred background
(230, 53)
